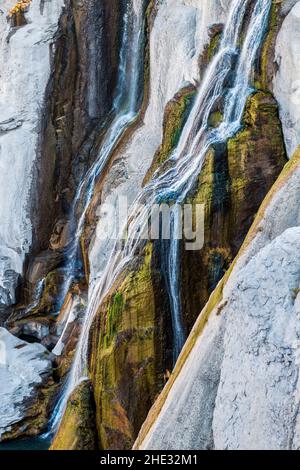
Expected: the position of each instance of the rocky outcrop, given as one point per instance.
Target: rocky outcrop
(81, 433)
(128, 347)
(248, 164)
(60, 62)
(67, 60)
(143, 326)
(78, 100)
(27, 389)
(130, 352)
(79, 97)
(175, 114)
(69, 53)
(170, 24)
(235, 384)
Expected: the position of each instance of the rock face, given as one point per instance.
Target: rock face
(235, 385)
(248, 164)
(128, 352)
(66, 60)
(81, 433)
(287, 78)
(59, 61)
(178, 34)
(140, 326)
(26, 378)
(78, 98)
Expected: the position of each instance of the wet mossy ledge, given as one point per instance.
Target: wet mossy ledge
(210, 50)
(71, 129)
(175, 115)
(266, 68)
(128, 349)
(248, 164)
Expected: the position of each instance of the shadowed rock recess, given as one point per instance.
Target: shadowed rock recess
(156, 102)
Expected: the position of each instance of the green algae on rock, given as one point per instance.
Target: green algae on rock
(126, 354)
(80, 433)
(175, 115)
(248, 164)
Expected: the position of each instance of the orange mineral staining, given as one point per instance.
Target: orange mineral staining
(19, 8)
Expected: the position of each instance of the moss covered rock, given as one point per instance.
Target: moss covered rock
(175, 116)
(127, 350)
(233, 182)
(78, 428)
(130, 347)
(266, 228)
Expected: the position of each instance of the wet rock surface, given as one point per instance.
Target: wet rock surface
(26, 378)
(81, 432)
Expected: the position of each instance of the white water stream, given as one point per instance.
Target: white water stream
(125, 107)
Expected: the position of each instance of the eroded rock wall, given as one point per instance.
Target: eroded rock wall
(57, 86)
(232, 184)
(140, 347)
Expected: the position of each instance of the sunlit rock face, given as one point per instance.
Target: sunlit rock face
(24, 369)
(261, 402)
(25, 57)
(287, 78)
(238, 388)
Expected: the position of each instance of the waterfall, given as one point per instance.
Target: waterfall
(125, 106)
(184, 166)
(195, 141)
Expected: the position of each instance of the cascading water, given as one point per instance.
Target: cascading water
(125, 107)
(37, 295)
(197, 142)
(183, 166)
